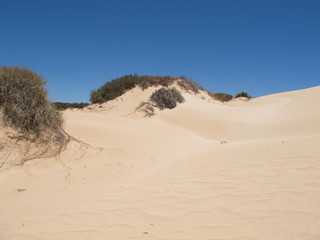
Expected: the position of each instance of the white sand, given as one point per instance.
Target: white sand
(169, 177)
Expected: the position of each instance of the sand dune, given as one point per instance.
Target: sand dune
(241, 170)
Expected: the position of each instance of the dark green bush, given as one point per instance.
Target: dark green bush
(24, 102)
(63, 106)
(114, 89)
(167, 98)
(222, 97)
(243, 94)
(119, 86)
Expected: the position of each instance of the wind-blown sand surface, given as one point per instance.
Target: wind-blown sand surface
(169, 177)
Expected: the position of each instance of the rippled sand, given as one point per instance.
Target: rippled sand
(205, 170)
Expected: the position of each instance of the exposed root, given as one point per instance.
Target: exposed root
(17, 149)
(50, 144)
(147, 108)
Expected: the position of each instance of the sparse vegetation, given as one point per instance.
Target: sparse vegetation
(147, 108)
(119, 86)
(189, 85)
(222, 97)
(63, 106)
(243, 94)
(166, 98)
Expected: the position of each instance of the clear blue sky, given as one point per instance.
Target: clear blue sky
(258, 46)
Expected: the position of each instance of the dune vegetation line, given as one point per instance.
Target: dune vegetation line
(25, 106)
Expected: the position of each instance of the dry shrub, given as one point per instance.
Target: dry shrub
(166, 98)
(25, 107)
(222, 97)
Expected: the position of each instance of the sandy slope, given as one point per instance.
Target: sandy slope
(169, 177)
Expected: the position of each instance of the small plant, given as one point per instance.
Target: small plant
(243, 94)
(167, 98)
(147, 108)
(222, 97)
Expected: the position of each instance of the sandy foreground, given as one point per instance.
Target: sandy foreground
(205, 170)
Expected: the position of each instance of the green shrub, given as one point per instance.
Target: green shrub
(222, 97)
(24, 103)
(114, 89)
(167, 98)
(243, 94)
(63, 106)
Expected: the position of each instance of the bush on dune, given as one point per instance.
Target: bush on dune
(114, 89)
(243, 94)
(25, 107)
(119, 86)
(167, 98)
(147, 81)
(222, 97)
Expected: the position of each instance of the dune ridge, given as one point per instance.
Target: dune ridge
(240, 170)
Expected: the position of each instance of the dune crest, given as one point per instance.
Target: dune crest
(130, 101)
(203, 170)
